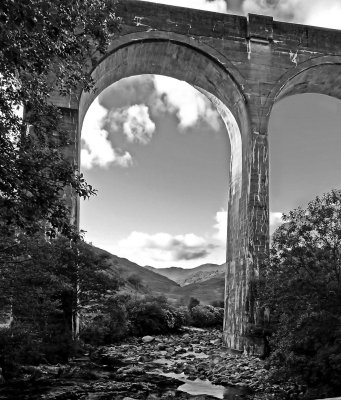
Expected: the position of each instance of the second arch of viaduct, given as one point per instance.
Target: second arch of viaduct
(244, 65)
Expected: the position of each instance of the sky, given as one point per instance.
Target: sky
(158, 154)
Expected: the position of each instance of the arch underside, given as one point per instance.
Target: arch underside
(320, 79)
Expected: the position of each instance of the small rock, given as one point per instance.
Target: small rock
(148, 339)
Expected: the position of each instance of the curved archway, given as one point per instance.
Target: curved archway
(320, 75)
(170, 58)
(207, 74)
(305, 142)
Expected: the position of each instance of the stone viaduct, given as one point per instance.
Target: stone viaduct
(244, 65)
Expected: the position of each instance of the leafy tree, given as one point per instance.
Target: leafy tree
(46, 284)
(135, 280)
(45, 46)
(302, 291)
(218, 303)
(193, 302)
(204, 316)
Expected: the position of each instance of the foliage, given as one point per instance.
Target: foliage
(302, 290)
(109, 326)
(45, 46)
(46, 283)
(218, 303)
(135, 280)
(204, 316)
(192, 303)
(152, 315)
(134, 315)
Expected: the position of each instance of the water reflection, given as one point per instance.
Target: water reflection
(200, 387)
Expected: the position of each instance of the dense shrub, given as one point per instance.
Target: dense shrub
(109, 325)
(134, 315)
(193, 302)
(204, 316)
(20, 344)
(218, 303)
(153, 315)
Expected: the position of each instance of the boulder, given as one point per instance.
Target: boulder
(148, 339)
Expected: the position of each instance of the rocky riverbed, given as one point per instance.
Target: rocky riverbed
(190, 365)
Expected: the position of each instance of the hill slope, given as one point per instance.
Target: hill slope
(155, 282)
(207, 291)
(187, 276)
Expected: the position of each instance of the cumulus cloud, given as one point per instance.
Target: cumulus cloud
(128, 91)
(311, 12)
(165, 247)
(275, 221)
(96, 146)
(117, 112)
(189, 105)
(134, 121)
(215, 6)
(221, 226)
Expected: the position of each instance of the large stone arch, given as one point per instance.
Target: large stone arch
(213, 75)
(244, 65)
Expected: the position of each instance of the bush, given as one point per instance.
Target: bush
(193, 302)
(136, 315)
(153, 315)
(218, 303)
(205, 316)
(20, 345)
(110, 325)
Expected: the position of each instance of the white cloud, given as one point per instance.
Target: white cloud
(163, 247)
(275, 221)
(189, 105)
(326, 16)
(311, 12)
(96, 147)
(216, 6)
(134, 121)
(221, 226)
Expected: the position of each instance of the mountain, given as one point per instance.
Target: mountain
(194, 275)
(149, 279)
(206, 291)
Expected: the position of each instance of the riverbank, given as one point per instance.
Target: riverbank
(190, 365)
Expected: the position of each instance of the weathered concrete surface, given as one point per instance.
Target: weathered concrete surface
(244, 65)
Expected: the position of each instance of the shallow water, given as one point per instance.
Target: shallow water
(200, 387)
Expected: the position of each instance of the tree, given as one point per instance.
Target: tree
(302, 290)
(46, 284)
(135, 280)
(193, 302)
(45, 46)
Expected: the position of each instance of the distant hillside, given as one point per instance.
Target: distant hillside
(207, 291)
(153, 281)
(187, 276)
